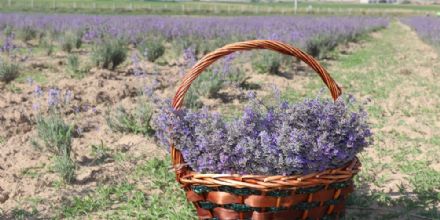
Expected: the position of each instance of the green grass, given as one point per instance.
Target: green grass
(156, 195)
(33, 172)
(373, 71)
(12, 87)
(22, 214)
(56, 137)
(19, 213)
(100, 153)
(377, 61)
(123, 195)
(55, 133)
(200, 8)
(170, 202)
(137, 121)
(65, 167)
(37, 77)
(371, 6)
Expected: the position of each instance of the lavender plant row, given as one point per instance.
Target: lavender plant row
(427, 28)
(286, 139)
(296, 30)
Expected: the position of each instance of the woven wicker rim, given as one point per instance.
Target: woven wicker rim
(188, 177)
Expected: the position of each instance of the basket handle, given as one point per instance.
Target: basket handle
(278, 46)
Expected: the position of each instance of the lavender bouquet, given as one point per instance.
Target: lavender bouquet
(280, 139)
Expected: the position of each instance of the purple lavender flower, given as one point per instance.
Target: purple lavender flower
(251, 95)
(85, 107)
(77, 109)
(150, 88)
(193, 31)
(38, 91)
(284, 139)
(189, 55)
(53, 97)
(7, 46)
(137, 69)
(35, 106)
(428, 28)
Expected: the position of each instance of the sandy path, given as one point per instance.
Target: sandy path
(400, 73)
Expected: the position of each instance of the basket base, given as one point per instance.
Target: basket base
(227, 203)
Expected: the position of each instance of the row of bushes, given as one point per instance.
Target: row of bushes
(111, 53)
(108, 54)
(152, 47)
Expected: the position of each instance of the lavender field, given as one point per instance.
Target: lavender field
(427, 27)
(312, 33)
(80, 98)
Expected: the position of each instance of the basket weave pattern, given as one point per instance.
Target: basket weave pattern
(225, 197)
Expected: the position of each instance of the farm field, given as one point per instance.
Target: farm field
(78, 94)
(216, 8)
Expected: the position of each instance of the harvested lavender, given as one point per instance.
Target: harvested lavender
(285, 139)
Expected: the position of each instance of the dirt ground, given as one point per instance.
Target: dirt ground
(399, 75)
(27, 180)
(26, 176)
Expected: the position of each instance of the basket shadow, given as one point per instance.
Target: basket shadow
(368, 203)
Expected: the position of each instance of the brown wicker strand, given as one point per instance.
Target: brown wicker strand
(210, 58)
(262, 182)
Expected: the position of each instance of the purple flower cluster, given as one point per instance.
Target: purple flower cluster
(8, 45)
(137, 68)
(283, 139)
(54, 100)
(208, 31)
(427, 27)
(53, 97)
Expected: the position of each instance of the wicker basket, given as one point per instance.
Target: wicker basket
(224, 197)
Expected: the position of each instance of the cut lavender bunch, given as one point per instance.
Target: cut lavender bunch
(284, 139)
